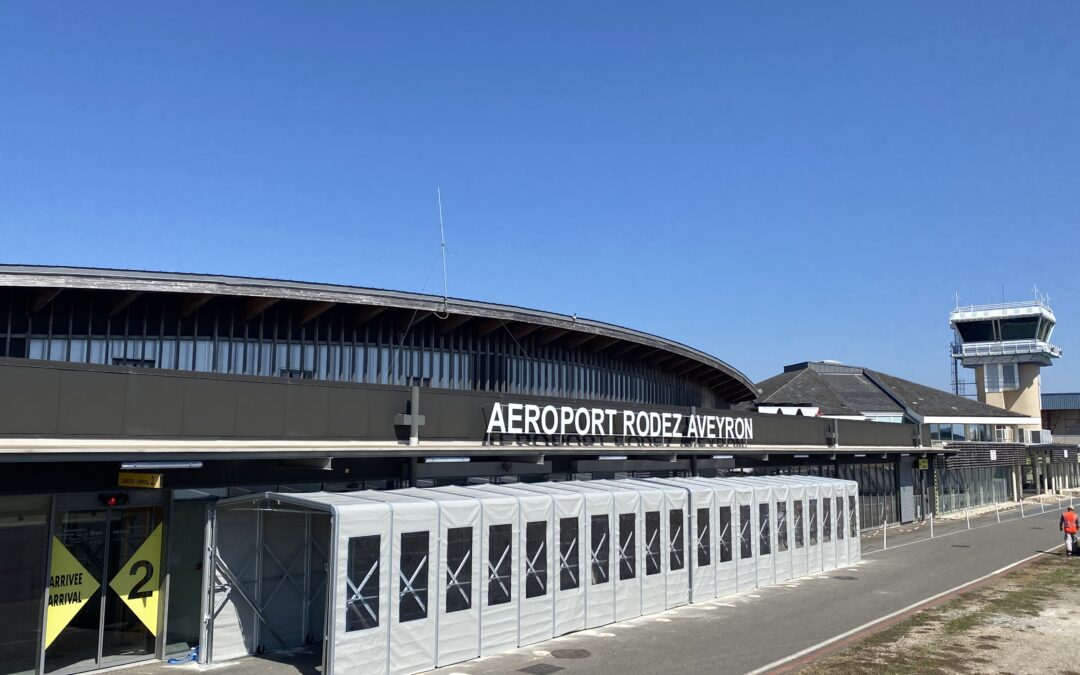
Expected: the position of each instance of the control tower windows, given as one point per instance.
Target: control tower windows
(976, 331)
(1019, 329)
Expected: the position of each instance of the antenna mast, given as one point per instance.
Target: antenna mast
(442, 240)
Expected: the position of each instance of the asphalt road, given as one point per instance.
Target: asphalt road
(744, 632)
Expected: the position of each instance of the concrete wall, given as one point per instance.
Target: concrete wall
(1027, 400)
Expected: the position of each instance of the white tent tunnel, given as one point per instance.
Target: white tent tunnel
(404, 581)
(267, 585)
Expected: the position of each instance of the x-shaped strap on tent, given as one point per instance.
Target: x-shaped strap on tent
(454, 583)
(595, 555)
(356, 594)
(744, 530)
(623, 557)
(494, 570)
(564, 560)
(286, 575)
(676, 551)
(701, 537)
(530, 566)
(649, 550)
(723, 535)
(762, 527)
(409, 589)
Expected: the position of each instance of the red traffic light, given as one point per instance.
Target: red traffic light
(113, 499)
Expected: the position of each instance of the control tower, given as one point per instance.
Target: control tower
(1006, 345)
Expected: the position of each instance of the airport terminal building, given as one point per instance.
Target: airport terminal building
(131, 403)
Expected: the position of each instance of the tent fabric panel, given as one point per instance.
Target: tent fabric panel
(624, 552)
(498, 620)
(361, 595)
(725, 531)
(771, 491)
(826, 498)
(458, 575)
(703, 558)
(567, 572)
(678, 548)
(413, 605)
(533, 542)
(599, 592)
(764, 534)
(569, 582)
(537, 620)
(282, 577)
(701, 547)
(234, 624)
(646, 543)
(784, 507)
(744, 526)
(797, 527)
(319, 549)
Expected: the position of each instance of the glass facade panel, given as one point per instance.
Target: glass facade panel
(346, 343)
(25, 537)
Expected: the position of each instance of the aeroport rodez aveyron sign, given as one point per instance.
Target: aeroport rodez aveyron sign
(567, 422)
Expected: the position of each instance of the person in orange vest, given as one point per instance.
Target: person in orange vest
(1068, 525)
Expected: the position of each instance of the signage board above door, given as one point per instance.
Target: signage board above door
(130, 479)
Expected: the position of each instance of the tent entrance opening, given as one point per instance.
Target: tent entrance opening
(268, 591)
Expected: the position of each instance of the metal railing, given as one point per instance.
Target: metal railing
(1002, 305)
(1005, 348)
(894, 535)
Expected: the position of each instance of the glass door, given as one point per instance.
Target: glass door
(104, 587)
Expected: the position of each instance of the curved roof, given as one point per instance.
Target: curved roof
(729, 384)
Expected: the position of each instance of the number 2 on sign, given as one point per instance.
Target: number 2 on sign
(146, 568)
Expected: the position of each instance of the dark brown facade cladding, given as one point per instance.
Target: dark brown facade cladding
(970, 455)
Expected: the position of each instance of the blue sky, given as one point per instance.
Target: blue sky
(767, 181)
